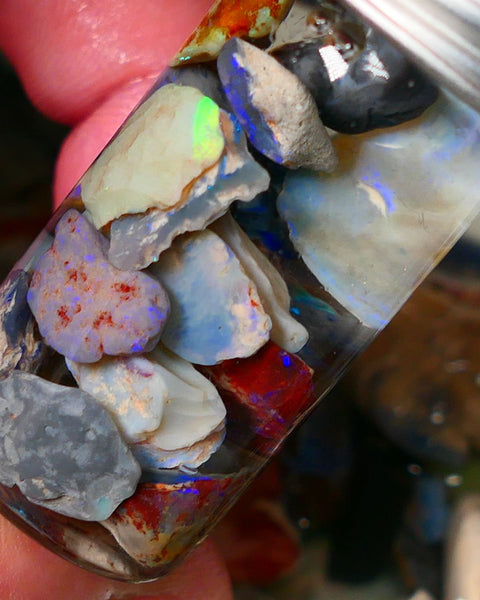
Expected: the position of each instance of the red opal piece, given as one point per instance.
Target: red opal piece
(273, 386)
(151, 524)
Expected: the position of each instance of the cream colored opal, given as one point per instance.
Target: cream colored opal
(170, 141)
(288, 333)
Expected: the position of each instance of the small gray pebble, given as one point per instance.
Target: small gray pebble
(62, 449)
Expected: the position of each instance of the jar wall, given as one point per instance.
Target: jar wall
(197, 294)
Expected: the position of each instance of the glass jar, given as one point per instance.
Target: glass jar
(196, 294)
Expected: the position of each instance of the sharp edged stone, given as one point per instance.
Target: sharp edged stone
(62, 449)
(139, 169)
(137, 240)
(272, 289)
(274, 108)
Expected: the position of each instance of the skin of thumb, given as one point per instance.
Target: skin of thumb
(28, 571)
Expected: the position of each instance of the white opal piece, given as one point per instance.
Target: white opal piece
(139, 170)
(275, 108)
(132, 389)
(288, 333)
(168, 411)
(401, 197)
(137, 240)
(193, 423)
(152, 457)
(216, 313)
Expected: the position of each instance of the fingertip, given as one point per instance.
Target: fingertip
(31, 572)
(70, 55)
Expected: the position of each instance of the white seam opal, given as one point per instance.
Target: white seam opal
(193, 423)
(288, 333)
(169, 412)
(131, 388)
(139, 169)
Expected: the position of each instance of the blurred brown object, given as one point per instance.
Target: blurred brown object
(420, 379)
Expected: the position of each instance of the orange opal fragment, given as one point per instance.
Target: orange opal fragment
(251, 19)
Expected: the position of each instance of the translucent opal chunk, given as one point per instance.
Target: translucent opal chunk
(137, 240)
(215, 309)
(272, 289)
(62, 449)
(84, 306)
(275, 109)
(177, 125)
(369, 231)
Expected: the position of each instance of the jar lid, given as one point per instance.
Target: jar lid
(442, 36)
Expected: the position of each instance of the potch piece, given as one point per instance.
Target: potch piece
(62, 449)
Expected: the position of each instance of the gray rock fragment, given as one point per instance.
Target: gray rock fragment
(276, 110)
(62, 449)
(18, 344)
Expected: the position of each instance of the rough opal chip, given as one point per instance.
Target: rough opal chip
(226, 18)
(131, 388)
(369, 232)
(177, 125)
(273, 388)
(272, 289)
(275, 109)
(62, 449)
(170, 413)
(137, 240)
(84, 306)
(216, 313)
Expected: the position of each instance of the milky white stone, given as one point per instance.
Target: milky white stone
(192, 426)
(400, 198)
(272, 289)
(167, 143)
(161, 401)
(132, 389)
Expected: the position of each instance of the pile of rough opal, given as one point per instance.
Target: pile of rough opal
(150, 274)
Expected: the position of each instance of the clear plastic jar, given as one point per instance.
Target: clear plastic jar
(195, 296)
